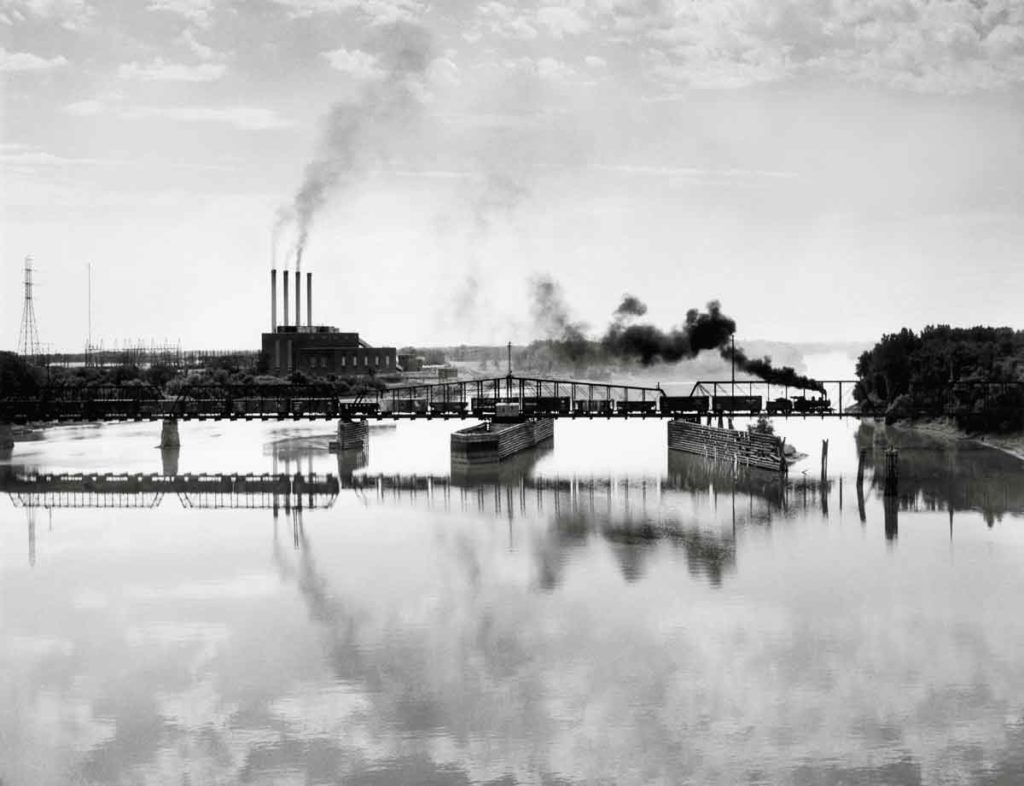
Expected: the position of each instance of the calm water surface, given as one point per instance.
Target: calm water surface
(596, 612)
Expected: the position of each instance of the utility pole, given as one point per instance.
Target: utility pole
(510, 360)
(88, 341)
(732, 357)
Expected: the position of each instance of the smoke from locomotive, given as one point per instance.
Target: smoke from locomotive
(627, 340)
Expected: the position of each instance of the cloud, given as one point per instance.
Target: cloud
(26, 61)
(356, 63)
(161, 71)
(730, 178)
(29, 159)
(550, 68)
(379, 12)
(195, 11)
(70, 14)
(85, 108)
(506, 21)
(561, 20)
(197, 48)
(593, 61)
(247, 118)
(443, 72)
(912, 44)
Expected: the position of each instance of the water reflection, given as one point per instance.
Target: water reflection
(511, 626)
(943, 474)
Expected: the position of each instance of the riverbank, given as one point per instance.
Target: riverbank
(944, 428)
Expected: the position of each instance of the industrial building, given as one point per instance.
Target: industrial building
(317, 350)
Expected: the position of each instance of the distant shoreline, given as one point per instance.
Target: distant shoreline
(1012, 444)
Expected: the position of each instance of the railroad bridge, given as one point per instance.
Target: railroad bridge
(498, 397)
(517, 412)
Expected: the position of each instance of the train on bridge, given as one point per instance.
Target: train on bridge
(506, 398)
(565, 406)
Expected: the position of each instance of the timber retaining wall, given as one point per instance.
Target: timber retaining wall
(489, 443)
(742, 448)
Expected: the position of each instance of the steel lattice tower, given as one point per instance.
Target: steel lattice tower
(28, 335)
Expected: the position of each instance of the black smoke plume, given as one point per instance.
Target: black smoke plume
(631, 306)
(626, 340)
(551, 315)
(648, 344)
(763, 368)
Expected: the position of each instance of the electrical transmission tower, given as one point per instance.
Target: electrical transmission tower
(28, 335)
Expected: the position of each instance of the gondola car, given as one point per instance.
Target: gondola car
(751, 404)
(677, 405)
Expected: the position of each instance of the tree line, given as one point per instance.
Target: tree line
(973, 375)
(20, 378)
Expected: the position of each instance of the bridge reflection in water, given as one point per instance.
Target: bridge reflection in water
(693, 496)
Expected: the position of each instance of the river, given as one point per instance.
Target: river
(597, 611)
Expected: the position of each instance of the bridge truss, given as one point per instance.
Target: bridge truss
(476, 398)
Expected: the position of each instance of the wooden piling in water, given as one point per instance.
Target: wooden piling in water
(824, 460)
(892, 472)
(860, 466)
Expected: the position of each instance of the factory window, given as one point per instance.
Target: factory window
(388, 361)
(344, 360)
(376, 360)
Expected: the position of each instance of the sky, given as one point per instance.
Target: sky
(829, 170)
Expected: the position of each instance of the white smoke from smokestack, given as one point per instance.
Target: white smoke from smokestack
(356, 133)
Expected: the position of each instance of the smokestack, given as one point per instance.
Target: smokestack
(284, 275)
(298, 298)
(309, 299)
(273, 299)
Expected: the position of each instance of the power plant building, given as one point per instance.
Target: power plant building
(317, 350)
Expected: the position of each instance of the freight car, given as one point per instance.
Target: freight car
(448, 407)
(750, 404)
(350, 409)
(546, 405)
(593, 407)
(636, 407)
(676, 405)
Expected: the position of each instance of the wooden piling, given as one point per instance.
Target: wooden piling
(860, 466)
(169, 437)
(890, 506)
(824, 460)
(892, 472)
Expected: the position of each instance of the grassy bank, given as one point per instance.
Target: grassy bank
(945, 428)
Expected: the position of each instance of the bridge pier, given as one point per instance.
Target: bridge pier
(492, 442)
(169, 460)
(352, 435)
(169, 437)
